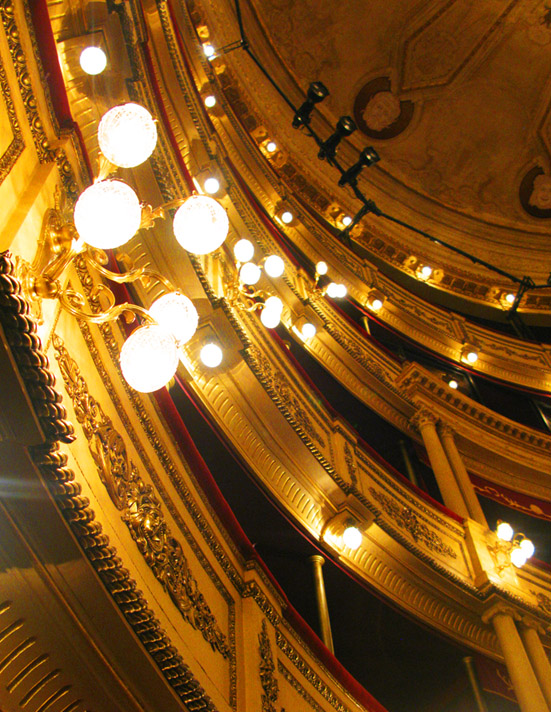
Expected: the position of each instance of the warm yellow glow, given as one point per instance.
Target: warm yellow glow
(504, 531)
(271, 146)
(209, 51)
(149, 358)
(93, 60)
(243, 250)
(347, 220)
(211, 355)
(518, 557)
(472, 356)
(211, 185)
(352, 537)
(127, 135)
(107, 214)
(510, 298)
(201, 224)
(249, 273)
(270, 318)
(210, 101)
(527, 547)
(177, 314)
(321, 268)
(287, 217)
(377, 304)
(336, 290)
(274, 266)
(426, 271)
(308, 330)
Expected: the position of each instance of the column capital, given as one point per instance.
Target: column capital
(445, 430)
(422, 418)
(535, 624)
(500, 609)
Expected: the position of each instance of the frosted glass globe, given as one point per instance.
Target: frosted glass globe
(376, 304)
(149, 358)
(93, 60)
(177, 314)
(274, 266)
(243, 250)
(210, 101)
(201, 224)
(211, 355)
(347, 220)
(341, 291)
(274, 304)
(504, 531)
(352, 537)
(472, 357)
(321, 268)
(333, 290)
(527, 547)
(249, 273)
(271, 146)
(212, 185)
(426, 271)
(270, 318)
(453, 384)
(518, 557)
(308, 330)
(510, 298)
(287, 217)
(107, 214)
(127, 135)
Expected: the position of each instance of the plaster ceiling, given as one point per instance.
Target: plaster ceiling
(455, 96)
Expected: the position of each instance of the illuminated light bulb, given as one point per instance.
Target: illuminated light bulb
(243, 250)
(211, 185)
(504, 531)
(127, 135)
(149, 358)
(341, 291)
(377, 304)
(287, 217)
(472, 357)
(333, 290)
(274, 304)
(274, 266)
(249, 273)
(518, 557)
(352, 537)
(308, 330)
(510, 298)
(208, 49)
(527, 547)
(347, 220)
(211, 355)
(93, 60)
(201, 224)
(426, 271)
(271, 146)
(270, 317)
(210, 101)
(107, 214)
(321, 268)
(177, 314)
(453, 384)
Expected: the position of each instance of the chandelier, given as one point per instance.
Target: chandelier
(107, 215)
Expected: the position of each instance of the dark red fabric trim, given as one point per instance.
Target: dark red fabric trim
(50, 62)
(208, 484)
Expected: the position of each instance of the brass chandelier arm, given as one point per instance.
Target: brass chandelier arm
(73, 302)
(98, 258)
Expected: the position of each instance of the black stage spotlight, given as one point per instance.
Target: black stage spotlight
(345, 126)
(316, 93)
(367, 157)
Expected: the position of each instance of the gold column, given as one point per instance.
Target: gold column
(323, 611)
(461, 474)
(529, 632)
(477, 692)
(525, 684)
(425, 422)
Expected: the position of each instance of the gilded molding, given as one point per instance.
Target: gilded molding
(46, 153)
(268, 680)
(350, 466)
(306, 671)
(295, 684)
(141, 510)
(14, 150)
(423, 418)
(406, 519)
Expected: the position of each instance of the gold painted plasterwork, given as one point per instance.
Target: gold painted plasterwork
(295, 684)
(16, 145)
(141, 510)
(268, 680)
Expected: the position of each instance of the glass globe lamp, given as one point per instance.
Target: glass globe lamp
(352, 537)
(472, 357)
(426, 271)
(274, 266)
(527, 547)
(127, 135)
(270, 318)
(504, 531)
(201, 224)
(347, 220)
(107, 214)
(149, 358)
(518, 557)
(211, 355)
(243, 250)
(93, 60)
(176, 314)
(287, 217)
(274, 304)
(271, 146)
(249, 273)
(211, 185)
(333, 290)
(308, 330)
(210, 101)
(321, 268)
